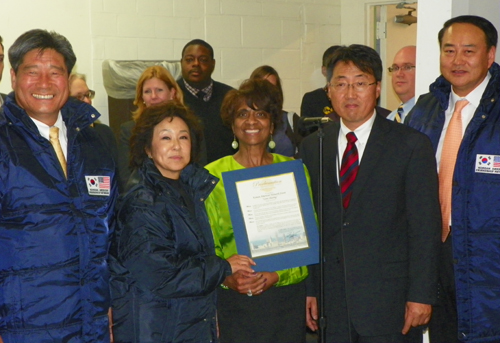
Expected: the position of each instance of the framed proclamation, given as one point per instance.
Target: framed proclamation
(272, 215)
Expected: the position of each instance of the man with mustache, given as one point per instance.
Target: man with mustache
(204, 97)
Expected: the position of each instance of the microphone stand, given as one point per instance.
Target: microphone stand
(322, 318)
(307, 123)
(320, 122)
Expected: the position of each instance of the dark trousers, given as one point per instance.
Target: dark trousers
(276, 316)
(339, 327)
(443, 326)
(414, 336)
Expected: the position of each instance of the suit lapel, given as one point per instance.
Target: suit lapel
(375, 147)
(330, 157)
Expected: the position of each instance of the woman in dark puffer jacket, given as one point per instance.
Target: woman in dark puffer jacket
(164, 267)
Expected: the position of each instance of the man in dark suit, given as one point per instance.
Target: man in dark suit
(204, 97)
(2, 57)
(382, 226)
(317, 102)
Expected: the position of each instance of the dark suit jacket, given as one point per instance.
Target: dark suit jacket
(3, 96)
(390, 233)
(315, 104)
(217, 136)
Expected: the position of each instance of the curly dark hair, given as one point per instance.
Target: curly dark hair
(257, 94)
(142, 134)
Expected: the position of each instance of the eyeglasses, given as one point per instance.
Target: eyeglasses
(357, 86)
(396, 68)
(90, 94)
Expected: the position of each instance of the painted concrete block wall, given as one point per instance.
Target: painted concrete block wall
(69, 18)
(435, 14)
(290, 35)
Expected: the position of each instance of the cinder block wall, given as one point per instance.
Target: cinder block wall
(290, 35)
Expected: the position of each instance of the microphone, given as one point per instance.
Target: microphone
(306, 124)
(310, 120)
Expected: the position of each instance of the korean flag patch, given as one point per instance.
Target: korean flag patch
(98, 185)
(488, 164)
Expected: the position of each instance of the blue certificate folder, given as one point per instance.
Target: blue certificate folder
(279, 260)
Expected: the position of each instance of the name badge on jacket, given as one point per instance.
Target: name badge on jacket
(488, 164)
(98, 185)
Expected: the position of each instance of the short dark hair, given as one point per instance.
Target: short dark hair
(41, 40)
(199, 42)
(257, 94)
(485, 25)
(263, 71)
(142, 133)
(362, 56)
(1, 41)
(328, 53)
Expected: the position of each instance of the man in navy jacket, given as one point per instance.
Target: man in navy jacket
(468, 308)
(56, 198)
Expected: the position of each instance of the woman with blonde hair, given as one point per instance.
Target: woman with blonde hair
(155, 86)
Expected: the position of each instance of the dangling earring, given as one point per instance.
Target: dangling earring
(234, 144)
(271, 144)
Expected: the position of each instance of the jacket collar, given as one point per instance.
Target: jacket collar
(194, 176)
(77, 115)
(375, 147)
(441, 88)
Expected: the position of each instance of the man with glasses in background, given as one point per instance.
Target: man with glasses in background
(403, 81)
(381, 212)
(78, 89)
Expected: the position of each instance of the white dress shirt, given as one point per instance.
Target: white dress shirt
(44, 130)
(474, 98)
(362, 134)
(407, 106)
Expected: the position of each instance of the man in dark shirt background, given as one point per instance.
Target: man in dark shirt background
(204, 97)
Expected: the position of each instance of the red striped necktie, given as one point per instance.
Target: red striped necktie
(349, 168)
